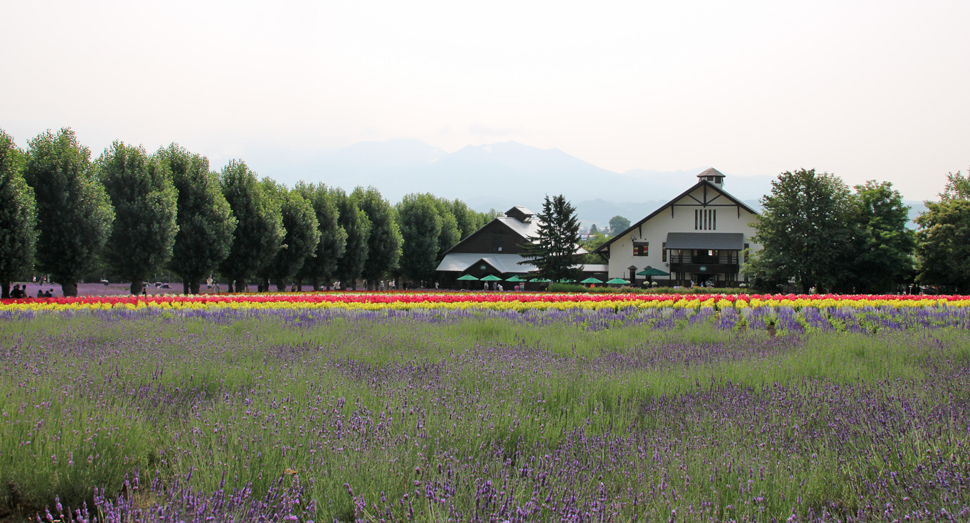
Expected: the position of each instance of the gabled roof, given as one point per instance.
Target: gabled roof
(694, 187)
(523, 229)
(504, 263)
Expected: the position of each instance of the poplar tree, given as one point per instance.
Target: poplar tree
(18, 216)
(384, 240)
(205, 221)
(421, 229)
(319, 268)
(299, 242)
(354, 221)
(74, 214)
(259, 230)
(145, 202)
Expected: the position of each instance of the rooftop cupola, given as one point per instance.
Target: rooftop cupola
(714, 176)
(520, 213)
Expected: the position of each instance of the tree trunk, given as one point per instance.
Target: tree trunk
(194, 287)
(5, 290)
(69, 289)
(136, 287)
(281, 285)
(185, 287)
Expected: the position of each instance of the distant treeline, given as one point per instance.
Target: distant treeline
(129, 215)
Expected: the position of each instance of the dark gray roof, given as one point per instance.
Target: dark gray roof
(730, 241)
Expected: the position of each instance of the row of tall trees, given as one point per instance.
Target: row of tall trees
(136, 213)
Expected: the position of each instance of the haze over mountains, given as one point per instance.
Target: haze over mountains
(498, 176)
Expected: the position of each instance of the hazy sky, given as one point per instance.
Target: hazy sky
(860, 89)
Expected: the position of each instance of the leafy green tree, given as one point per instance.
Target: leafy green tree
(74, 214)
(421, 229)
(204, 219)
(618, 224)
(957, 187)
(300, 241)
(384, 240)
(882, 254)
(259, 232)
(591, 243)
(322, 265)
(943, 239)
(450, 233)
(805, 231)
(553, 250)
(352, 219)
(144, 200)
(18, 216)
(467, 219)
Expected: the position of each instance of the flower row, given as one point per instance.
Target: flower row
(517, 300)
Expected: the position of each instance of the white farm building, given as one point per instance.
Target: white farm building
(700, 236)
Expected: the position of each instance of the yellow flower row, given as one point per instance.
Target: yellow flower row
(509, 302)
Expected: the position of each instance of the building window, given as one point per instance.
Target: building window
(663, 249)
(641, 249)
(705, 219)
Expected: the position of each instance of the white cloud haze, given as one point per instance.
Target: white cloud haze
(861, 89)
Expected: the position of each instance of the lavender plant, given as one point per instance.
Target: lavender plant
(574, 415)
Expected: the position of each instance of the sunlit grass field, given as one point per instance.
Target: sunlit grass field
(602, 415)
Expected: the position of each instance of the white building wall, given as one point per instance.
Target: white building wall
(655, 232)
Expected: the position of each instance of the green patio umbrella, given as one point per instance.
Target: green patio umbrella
(468, 277)
(591, 280)
(650, 271)
(515, 279)
(491, 277)
(618, 281)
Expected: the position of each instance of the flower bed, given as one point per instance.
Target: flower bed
(510, 300)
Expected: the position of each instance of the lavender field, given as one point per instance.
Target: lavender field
(629, 415)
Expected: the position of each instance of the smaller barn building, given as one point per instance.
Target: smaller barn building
(496, 249)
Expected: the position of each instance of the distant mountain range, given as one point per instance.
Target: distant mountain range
(498, 176)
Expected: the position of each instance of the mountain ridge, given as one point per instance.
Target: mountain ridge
(496, 176)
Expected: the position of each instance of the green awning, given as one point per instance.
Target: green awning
(491, 277)
(468, 277)
(539, 280)
(591, 280)
(618, 281)
(567, 281)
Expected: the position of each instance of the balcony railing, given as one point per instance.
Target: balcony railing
(718, 258)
